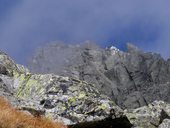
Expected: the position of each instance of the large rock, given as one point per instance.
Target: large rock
(165, 124)
(131, 79)
(156, 114)
(66, 97)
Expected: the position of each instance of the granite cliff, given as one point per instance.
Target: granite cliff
(131, 79)
(83, 104)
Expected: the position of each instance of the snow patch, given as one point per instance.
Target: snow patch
(113, 49)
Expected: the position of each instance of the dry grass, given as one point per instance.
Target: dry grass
(11, 118)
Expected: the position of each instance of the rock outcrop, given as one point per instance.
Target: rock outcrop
(76, 102)
(131, 79)
(64, 99)
(156, 114)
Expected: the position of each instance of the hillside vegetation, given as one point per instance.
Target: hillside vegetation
(12, 118)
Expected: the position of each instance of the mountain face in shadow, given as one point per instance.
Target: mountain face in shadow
(131, 79)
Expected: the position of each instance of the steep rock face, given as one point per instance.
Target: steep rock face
(60, 98)
(73, 101)
(131, 79)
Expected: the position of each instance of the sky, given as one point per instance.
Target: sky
(28, 24)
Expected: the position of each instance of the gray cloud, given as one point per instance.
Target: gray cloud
(35, 22)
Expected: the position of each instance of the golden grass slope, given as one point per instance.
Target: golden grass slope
(12, 118)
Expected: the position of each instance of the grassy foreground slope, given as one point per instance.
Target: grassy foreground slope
(12, 118)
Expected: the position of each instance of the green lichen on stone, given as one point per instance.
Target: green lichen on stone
(27, 86)
(71, 100)
(102, 106)
(82, 95)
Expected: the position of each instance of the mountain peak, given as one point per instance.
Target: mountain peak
(132, 48)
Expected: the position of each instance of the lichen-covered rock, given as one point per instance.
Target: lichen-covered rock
(129, 78)
(61, 98)
(8, 66)
(150, 116)
(74, 101)
(7, 91)
(165, 124)
(65, 97)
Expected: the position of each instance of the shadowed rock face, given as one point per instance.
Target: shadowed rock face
(131, 79)
(122, 122)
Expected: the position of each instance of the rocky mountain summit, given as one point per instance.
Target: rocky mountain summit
(74, 102)
(131, 79)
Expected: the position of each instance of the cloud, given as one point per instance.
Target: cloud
(36, 22)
